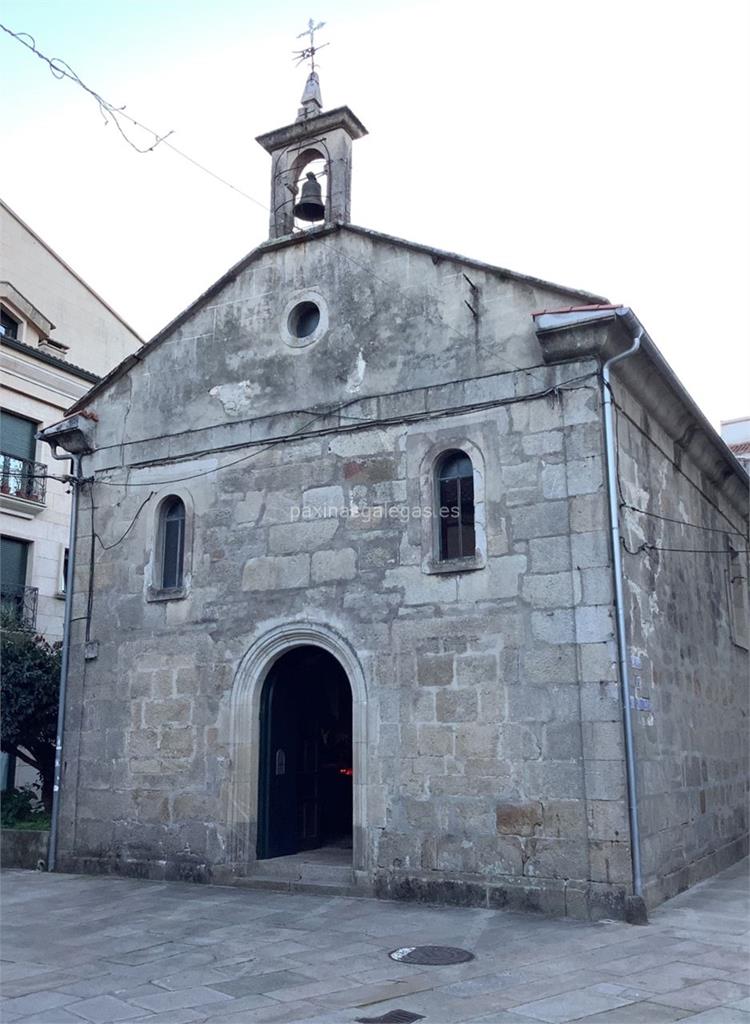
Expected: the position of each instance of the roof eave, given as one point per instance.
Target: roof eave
(46, 357)
(560, 333)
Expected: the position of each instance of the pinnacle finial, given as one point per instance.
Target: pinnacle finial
(312, 102)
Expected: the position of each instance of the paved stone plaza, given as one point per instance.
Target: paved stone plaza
(108, 950)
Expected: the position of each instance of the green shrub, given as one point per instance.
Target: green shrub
(29, 688)
(21, 808)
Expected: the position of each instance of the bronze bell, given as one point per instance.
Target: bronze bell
(310, 207)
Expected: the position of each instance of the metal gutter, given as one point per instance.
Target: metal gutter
(610, 445)
(570, 319)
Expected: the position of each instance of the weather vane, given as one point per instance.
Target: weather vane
(309, 51)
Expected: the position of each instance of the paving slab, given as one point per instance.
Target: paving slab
(54, 1016)
(10, 971)
(674, 976)
(177, 999)
(260, 984)
(720, 1015)
(582, 1002)
(106, 1010)
(638, 1013)
(107, 950)
(704, 996)
(181, 1016)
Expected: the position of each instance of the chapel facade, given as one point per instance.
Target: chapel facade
(351, 617)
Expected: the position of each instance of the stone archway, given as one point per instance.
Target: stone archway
(242, 812)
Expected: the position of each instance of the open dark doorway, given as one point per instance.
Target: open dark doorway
(305, 755)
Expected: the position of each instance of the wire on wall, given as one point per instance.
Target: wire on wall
(620, 411)
(687, 551)
(301, 433)
(107, 547)
(679, 522)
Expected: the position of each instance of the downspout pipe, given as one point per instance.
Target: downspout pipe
(638, 910)
(75, 480)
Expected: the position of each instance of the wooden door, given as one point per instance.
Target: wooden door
(277, 832)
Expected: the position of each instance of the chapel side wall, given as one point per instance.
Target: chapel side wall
(691, 733)
(494, 770)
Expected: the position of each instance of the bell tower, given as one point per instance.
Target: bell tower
(316, 137)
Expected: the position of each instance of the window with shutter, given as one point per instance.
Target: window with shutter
(18, 436)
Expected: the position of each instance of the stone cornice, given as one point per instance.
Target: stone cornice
(651, 380)
(341, 117)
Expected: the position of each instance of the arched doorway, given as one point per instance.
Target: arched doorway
(305, 779)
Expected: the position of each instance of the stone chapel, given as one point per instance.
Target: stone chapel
(357, 604)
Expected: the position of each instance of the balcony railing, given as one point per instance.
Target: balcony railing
(19, 603)
(21, 478)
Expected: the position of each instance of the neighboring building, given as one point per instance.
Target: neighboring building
(57, 338)
(736, 435)
(289, 646)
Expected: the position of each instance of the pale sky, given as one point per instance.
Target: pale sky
(594, 143)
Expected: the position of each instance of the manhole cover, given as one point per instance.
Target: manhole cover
(392, 1017)
(435, 956)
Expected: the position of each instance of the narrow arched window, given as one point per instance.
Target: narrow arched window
(455, 486)
(171, 543)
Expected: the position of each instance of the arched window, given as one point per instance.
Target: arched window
(171, 543)
(455, 486)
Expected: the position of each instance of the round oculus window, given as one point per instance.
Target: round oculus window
(303, 319)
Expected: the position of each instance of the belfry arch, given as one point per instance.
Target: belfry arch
(244, 802)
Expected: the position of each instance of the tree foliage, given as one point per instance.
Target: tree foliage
(30, 690)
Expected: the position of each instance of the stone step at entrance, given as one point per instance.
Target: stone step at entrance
(326, 871)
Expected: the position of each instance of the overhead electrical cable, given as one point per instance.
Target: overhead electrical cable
(109, 111)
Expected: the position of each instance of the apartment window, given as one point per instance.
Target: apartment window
(20, 476)
(17, 600)
(18, 436)
(455, 491)
(171, 543)
(9, 326)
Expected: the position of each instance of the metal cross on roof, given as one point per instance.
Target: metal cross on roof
(309, 51)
